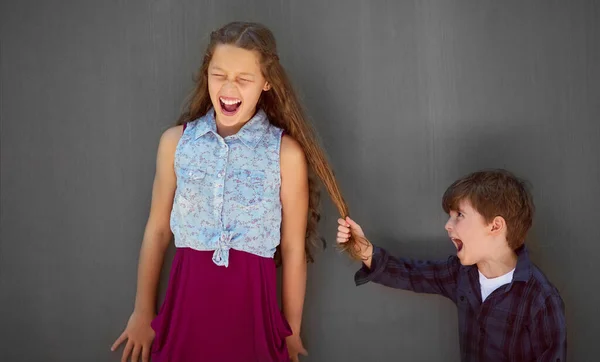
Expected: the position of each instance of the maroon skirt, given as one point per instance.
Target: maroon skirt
(216, 314)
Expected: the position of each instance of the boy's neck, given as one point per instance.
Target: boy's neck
(501, 263)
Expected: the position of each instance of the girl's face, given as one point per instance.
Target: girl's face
(235, 83)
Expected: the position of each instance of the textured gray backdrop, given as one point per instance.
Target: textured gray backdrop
(406, 95)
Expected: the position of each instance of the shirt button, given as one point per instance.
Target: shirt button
(220, 174)
(462, 298)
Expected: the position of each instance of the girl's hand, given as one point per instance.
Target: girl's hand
(295, 347)
(139, 335)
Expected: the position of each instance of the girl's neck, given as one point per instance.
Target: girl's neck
(225, 131)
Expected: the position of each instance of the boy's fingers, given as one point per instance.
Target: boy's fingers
(343, 229)
(353, 225)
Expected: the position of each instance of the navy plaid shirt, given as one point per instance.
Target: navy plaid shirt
(520, 321)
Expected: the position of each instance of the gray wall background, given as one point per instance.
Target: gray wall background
(406, 95)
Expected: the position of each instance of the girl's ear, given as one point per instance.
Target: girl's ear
(267, 86)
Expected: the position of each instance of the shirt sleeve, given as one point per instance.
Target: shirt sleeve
(433, 277)
(549, 331)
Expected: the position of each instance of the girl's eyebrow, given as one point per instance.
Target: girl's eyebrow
(214, 67)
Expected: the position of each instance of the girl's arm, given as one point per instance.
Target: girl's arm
(157, 236)
(294, 199)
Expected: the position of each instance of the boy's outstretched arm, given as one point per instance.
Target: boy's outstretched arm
(434, 277)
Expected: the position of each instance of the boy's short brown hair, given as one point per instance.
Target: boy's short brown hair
(495, 193)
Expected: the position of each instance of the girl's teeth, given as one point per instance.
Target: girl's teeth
(230, 102)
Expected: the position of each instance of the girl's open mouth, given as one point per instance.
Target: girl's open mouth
(230, 106)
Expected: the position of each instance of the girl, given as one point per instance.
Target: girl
(232, 185)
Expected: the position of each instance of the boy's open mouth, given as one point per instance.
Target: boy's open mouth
(229, 106)
(458, 243)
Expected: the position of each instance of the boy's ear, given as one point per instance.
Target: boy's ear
(498, 225)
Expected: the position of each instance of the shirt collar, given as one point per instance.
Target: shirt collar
(250, 133)
(523, 270)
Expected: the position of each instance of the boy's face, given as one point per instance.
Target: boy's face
(469, 232)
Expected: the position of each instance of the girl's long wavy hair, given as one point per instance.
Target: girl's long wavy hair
(283, 110)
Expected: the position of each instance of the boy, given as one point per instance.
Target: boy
(507, 309)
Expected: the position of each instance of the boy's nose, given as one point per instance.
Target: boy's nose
(448, 225)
